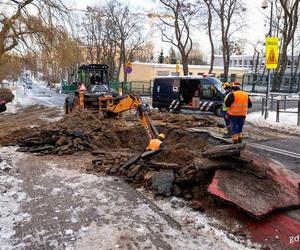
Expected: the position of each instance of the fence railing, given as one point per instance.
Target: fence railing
(282, 106)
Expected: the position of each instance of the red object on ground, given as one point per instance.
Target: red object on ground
(258, 188)
(279, 230)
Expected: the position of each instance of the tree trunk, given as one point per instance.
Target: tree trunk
(185, 66)
(211, 41)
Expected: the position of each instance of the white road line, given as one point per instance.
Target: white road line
(275, 150)
(254, 145)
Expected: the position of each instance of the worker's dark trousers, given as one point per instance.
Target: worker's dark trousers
(236, 127)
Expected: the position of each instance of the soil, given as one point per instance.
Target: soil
(114, 141)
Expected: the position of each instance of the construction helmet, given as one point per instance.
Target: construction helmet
(161, 136)
(226, 85)
(236, 85)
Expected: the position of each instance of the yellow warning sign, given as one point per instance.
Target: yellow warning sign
(271, 52)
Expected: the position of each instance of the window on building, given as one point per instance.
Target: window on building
(235, 62)
(251, 62)
(240, 63)
(230, 63)
(245, 63)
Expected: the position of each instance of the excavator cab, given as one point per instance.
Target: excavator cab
(95, 78)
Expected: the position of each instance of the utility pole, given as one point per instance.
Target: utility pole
(264, 6)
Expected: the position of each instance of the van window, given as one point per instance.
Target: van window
(210, 91)
(218, 84)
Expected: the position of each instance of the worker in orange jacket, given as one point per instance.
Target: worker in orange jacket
(156, 144)
(238, 103)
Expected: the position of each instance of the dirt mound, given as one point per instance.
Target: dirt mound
(84, 130)
(185, 120)
(6, 94)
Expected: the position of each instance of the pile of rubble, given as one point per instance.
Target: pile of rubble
(83, 131)
(181, 169)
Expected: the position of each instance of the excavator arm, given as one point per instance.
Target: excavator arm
(113, 106)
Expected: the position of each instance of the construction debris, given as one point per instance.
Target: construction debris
(257, 196)
(187, 167)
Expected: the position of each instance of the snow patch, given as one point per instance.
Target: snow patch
(287, 121)
(12, 196)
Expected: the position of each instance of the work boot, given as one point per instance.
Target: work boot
(235, 139)
(240, 138)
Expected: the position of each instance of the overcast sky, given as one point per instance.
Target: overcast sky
(256, 29)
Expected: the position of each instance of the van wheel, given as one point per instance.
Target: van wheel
(218, 110)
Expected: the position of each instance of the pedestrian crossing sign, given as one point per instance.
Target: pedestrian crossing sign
(271, 52)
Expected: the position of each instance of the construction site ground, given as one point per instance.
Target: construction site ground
(64, 188)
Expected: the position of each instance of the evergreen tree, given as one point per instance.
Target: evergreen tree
(172, 56)
(161, 57)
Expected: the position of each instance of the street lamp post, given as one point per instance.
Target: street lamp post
(264, 6)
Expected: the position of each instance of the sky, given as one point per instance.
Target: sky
(255, 30)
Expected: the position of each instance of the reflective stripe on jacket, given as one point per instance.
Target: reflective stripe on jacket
(154, 144)
(240, 105)
(224, 107)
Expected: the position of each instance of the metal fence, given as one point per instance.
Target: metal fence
(254, 83)
(282, 105)
(257, 83)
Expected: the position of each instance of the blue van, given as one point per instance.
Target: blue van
(204, 93)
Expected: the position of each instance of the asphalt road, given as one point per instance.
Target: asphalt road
(286, 151)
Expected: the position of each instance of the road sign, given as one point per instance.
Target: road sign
(128, 69)
(271, 52)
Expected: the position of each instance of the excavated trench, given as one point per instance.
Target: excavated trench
(179, 170)
(115, 141)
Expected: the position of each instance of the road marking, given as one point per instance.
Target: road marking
(254, 145)
(275, 150)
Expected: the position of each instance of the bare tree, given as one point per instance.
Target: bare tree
(289, 16)
(126, 32)
(230, 17)
(209, 16)
(21, 25)
(181, 14)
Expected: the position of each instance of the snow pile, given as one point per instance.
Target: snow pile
(287, 121)
(22, 99)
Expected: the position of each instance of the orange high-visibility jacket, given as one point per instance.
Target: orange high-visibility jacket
(240, 105)
(154, 144)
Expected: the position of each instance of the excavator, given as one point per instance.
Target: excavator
(113, 106)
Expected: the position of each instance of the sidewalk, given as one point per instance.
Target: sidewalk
(46, 204)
